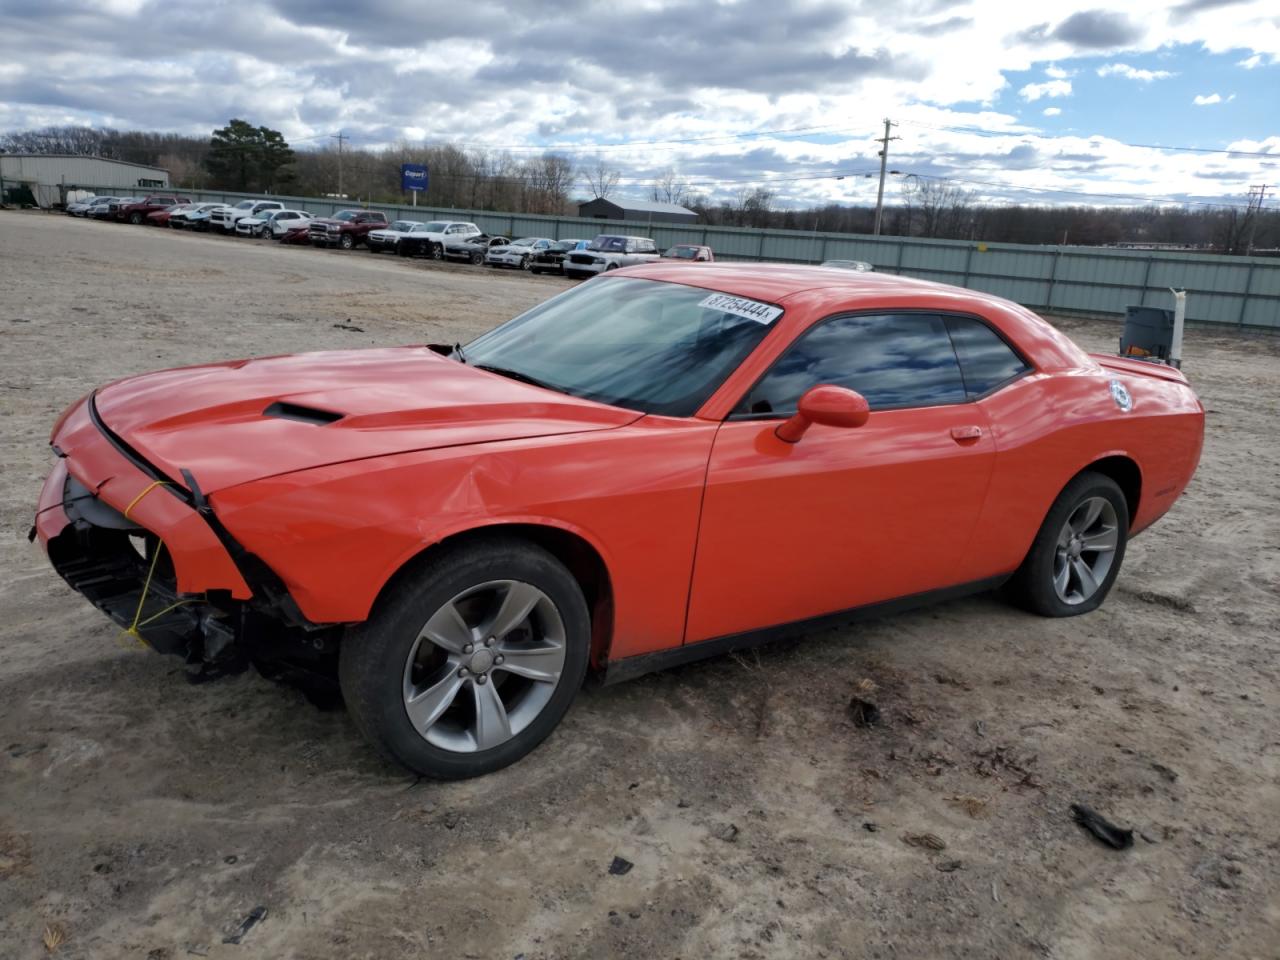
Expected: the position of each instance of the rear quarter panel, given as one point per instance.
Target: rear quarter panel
(1049, 427)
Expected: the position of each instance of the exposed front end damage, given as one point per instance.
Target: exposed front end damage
(160, 565)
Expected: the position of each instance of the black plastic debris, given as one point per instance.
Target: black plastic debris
(247, 924)
(1103, 829)
(620, 867)
(864, 712)
(728, 832)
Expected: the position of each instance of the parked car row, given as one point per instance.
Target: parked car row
(348, 229)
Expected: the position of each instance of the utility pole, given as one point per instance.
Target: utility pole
(339, 136)
(884, 160)
(1257, 195)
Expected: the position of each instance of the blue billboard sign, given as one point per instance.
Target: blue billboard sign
(413, 176)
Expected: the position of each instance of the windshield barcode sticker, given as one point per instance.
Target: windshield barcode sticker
(742, 307)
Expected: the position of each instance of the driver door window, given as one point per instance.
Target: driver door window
(894, 360)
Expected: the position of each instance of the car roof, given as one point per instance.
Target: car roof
(774, 282)
(822, 290)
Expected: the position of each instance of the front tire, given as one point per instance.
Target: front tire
(346, 241)
(477, 259)
(469, 663)
(135, 218)
(1078, 551)
(437, 251)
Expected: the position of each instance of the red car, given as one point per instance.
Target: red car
(659, 465)
(138, 211)
(161, 218)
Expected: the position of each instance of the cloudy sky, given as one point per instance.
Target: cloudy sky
(1015, 100)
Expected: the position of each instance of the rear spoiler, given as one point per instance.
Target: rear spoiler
(1144, 368)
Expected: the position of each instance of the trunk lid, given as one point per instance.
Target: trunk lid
(230, 423)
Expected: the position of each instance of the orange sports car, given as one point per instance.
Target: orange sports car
(658, 465)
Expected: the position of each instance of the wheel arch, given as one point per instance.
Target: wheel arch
(579, 555)
(1124, 470)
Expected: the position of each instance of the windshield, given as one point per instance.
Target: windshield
(437, 226)
(524, 242)
(244, 205)
(345, 215)
(642, 344)
(609, 244)
(682, 253)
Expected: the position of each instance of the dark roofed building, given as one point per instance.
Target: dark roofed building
(650, 211)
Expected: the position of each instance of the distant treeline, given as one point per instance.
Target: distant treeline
(257, 159)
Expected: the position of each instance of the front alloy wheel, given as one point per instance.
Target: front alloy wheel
(484, 666)
(346, 242)
(469, 663)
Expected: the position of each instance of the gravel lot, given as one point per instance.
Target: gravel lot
(144, 817)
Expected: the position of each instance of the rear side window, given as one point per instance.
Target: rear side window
(986, 361)
(894, 360)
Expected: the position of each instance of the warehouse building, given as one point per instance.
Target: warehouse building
(650, 211)
(46, 179)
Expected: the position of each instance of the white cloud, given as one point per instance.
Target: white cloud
(1202, 100)
(1133, 73)
(503, 73)
(1050, 88)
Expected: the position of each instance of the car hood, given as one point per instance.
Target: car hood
(330, 221)
(230, 423)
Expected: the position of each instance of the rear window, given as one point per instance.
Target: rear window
(986, 361)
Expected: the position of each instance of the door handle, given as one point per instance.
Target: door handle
(961, 434)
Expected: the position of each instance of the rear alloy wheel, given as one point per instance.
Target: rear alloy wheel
(346, 241)
(1076, 556)
(470, 664)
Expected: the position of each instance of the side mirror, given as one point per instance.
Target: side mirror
(828, 405)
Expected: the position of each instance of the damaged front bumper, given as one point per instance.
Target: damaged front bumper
(149, 552)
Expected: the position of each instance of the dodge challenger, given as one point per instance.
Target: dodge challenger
(658, 465)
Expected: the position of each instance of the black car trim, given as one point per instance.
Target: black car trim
(628, 668)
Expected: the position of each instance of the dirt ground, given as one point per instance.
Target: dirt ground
(144, 817)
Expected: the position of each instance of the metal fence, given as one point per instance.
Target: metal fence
(1237, 291)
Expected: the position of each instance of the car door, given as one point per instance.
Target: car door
(845, 517)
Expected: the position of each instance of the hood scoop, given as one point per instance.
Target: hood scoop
(296, 411)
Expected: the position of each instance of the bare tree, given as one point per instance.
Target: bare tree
(669, 188)
(549, 179)
(599, 177)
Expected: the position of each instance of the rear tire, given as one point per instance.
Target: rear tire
(1078, 551)
(389, 662)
